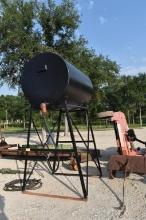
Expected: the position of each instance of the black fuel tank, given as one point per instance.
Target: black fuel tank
(48, 78)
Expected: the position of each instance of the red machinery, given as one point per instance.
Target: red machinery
(134, 157)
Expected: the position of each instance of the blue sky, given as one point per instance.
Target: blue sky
(117, 29)
(114, 28)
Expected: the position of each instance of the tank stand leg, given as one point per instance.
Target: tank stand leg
(84, 189)
(26, 156)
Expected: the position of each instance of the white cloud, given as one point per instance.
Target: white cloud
(91, 4)
(132, 70)
(102, 20)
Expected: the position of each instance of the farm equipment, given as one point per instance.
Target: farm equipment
(131, 159)
(59, 86)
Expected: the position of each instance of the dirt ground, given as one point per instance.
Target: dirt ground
(105, 195)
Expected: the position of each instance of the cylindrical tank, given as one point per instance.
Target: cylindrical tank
(48, 78)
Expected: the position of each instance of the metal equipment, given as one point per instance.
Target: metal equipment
(48, 78)
(50, 82)
(125, 138)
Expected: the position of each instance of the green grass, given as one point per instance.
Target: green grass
(16, 130)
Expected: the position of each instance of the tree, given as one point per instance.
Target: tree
(12, 108)
(104, 75)
(140, 91)
(28, 28)
(58, 23)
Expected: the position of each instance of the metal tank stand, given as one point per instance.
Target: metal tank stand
(86, 143)
(73, 141)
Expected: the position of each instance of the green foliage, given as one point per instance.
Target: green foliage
(13, 108)
(31, 27)
(28, 28)
(18, 41)
(58, 23)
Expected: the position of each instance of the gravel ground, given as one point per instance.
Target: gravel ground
(105, 195)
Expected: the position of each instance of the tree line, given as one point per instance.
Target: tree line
(31, 27)
(123, 93)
